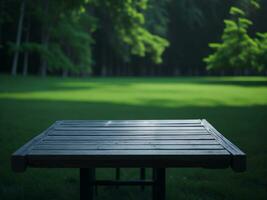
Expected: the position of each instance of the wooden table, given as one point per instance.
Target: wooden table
(157, 144)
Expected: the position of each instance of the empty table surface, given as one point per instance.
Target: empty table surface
(129, 143)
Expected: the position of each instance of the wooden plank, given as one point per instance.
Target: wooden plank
(132, 125)
(127, 152)
(132, 131)
(123, 133)
(230, 146)
(239, 157)
(193, 121)
(125, 147)
(128, 128)
(155, 137)
(132, 142)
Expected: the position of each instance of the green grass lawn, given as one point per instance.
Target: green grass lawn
(237, 106)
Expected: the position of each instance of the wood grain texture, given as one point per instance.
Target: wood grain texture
(129, 143)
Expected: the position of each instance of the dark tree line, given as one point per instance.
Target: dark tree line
(116, 38)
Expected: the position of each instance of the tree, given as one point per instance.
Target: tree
(66, 46)
(26, 53)
(18, 39)
(45, 35)
(129, 23)
(122, 33)
(66, 34)
(261, 41)
(72, 51)
(237, 50)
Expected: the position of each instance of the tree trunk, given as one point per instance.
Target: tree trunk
(1, 40)
(25, 64)
(45, 41)
(18, 39)
(104, 57)
(26, 54)
(1, 24)
(43, 69)
(65, 71)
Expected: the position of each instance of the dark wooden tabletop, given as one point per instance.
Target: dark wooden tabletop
(129, 143)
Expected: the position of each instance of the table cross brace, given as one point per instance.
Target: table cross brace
(88, 182)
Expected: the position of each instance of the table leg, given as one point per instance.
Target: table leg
(86, 183)
(142, 176)
(94, 179)
(159, 184)
(118, 175)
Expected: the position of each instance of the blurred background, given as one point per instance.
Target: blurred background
(133, 38)
(134, 59)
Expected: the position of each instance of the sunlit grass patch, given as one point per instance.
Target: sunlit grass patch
(173, 92)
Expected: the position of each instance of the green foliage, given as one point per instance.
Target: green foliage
(261, 41)
(70, 26)
(236, 12)
(129, 23)
(74, 36)
(238, 49)
(142, 42)
(157, 17)
(69, 46)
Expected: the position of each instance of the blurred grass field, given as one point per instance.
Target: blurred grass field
(236, 106)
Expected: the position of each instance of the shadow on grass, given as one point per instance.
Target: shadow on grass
(35, 84)
(245, 83)
(246, 126)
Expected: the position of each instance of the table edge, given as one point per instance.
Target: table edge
(19, 157)
(238, 162)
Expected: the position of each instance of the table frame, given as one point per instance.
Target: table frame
(88, 183)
